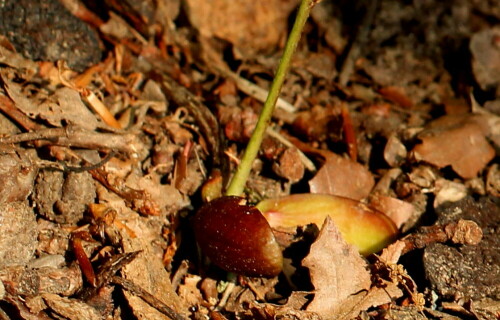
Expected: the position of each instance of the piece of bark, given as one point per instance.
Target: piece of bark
(493, 180)
(395, 151)
(71, 309)
(35, 281)
(18, 233)
(148, 272)
(289, 165)
(448, 191)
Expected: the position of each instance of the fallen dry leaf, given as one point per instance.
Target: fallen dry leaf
(338, 273)
(342, 177)
(64, 106)
(462, 146)
(250, 26)
(398, 210)
(342, 282)
(393, 252)
(486, 57)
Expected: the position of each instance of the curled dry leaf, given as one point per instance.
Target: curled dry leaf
(337, 271)
(340, 277)
(365, 228)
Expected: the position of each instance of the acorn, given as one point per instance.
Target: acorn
(237, 238)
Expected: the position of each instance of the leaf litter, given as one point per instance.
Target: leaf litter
(103, 162)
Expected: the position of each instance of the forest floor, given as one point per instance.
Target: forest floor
(118, 117)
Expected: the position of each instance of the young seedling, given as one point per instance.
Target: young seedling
(239, 238)
(234, 236)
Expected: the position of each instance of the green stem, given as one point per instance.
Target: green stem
(240, 177)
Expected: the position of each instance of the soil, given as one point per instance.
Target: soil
(119, 119)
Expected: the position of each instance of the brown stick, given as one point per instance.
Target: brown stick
(459, 232)
(78, 137)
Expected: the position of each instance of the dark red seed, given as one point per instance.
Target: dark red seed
(237, 238)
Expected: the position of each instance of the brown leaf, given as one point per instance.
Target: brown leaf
(393, 252)
(338, 274)
(342, 177)
(385, 293)
(398, 210)
(250, 26)
(462, 146)
(486, 57)
(64, 106)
